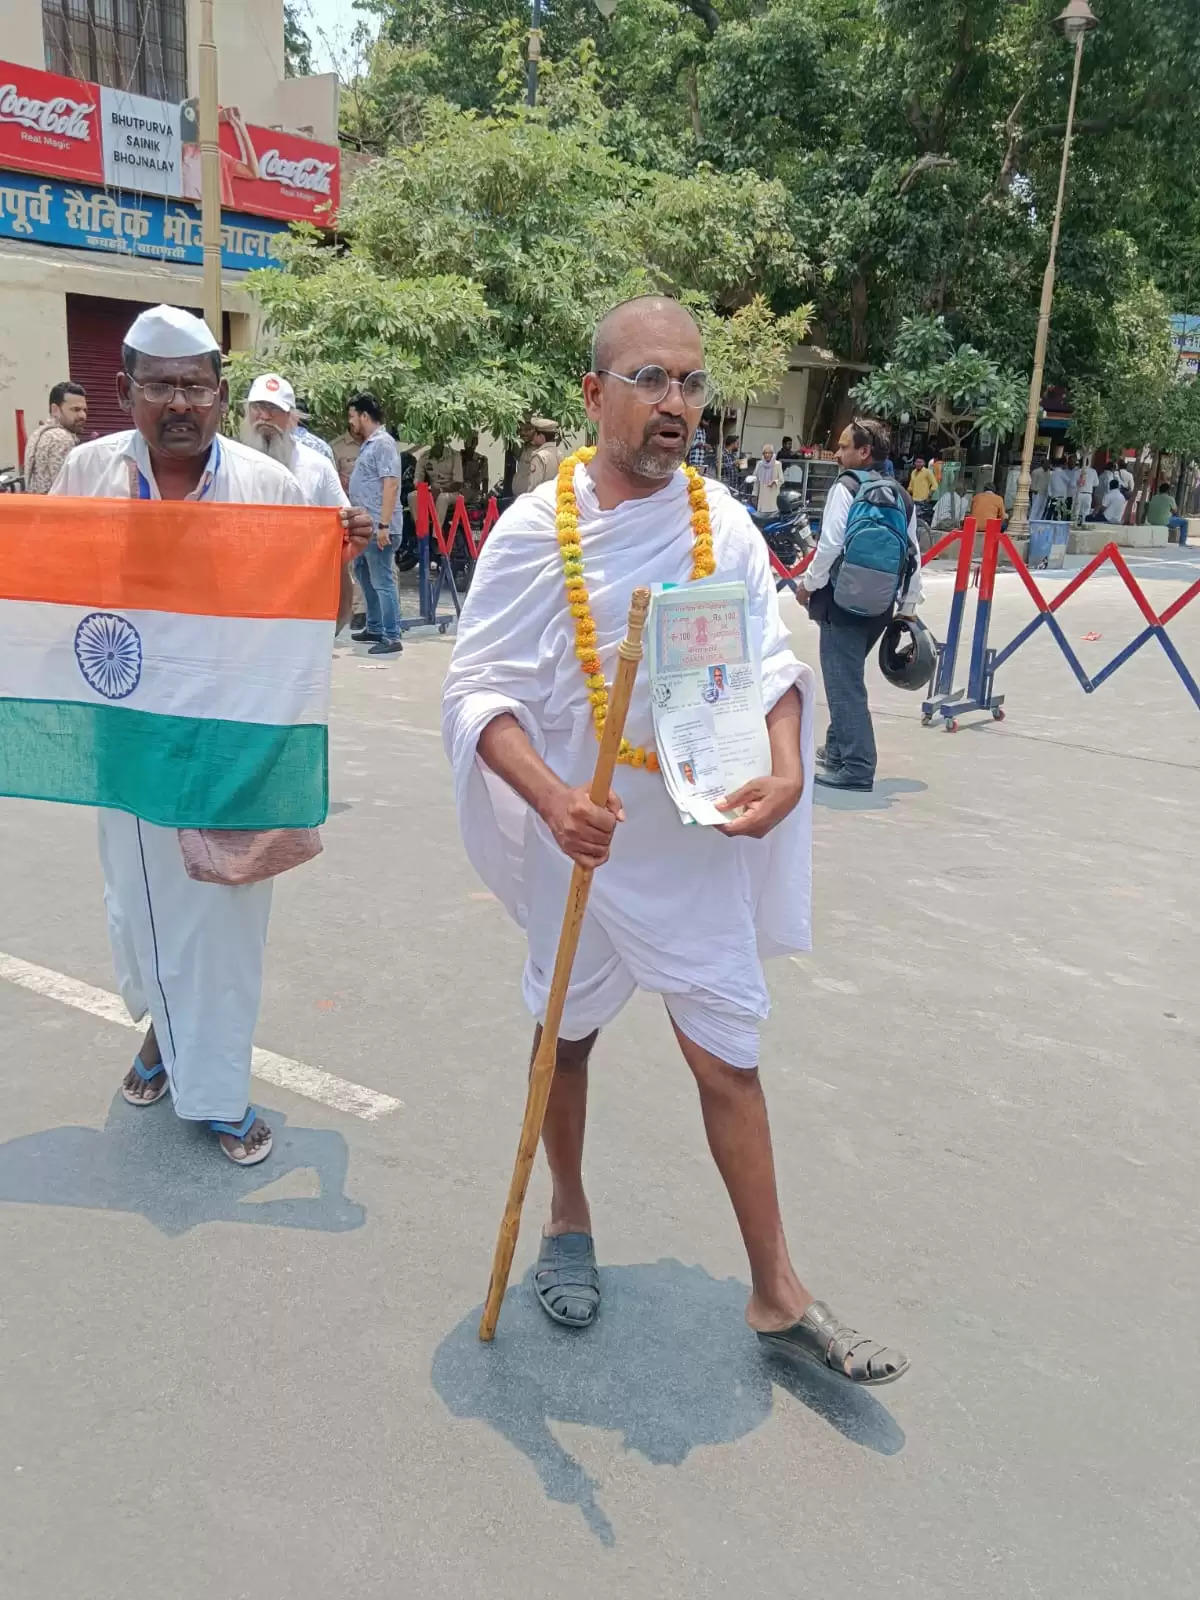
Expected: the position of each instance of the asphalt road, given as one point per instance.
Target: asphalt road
(218, 1384)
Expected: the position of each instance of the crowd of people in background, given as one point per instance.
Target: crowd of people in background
(1065, 488)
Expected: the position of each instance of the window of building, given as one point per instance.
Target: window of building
(137, 45)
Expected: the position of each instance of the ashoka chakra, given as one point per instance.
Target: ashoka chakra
(109, 652)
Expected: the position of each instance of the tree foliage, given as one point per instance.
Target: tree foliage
(479, 259)
(1137, 395)
(956, 390)
(906, 152)
(297, 46)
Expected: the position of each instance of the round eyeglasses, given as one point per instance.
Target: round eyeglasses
(653, 384)
(197, 395)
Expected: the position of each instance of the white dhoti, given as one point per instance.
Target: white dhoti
(1037, 506)
(680, 911)
(190, 954)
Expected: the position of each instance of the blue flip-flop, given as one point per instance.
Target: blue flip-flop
(147, 1075)
(239, 1130)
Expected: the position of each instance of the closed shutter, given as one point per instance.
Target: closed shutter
(96, 329)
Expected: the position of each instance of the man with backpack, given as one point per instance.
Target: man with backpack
(866, 569)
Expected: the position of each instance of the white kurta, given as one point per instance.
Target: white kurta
(189, 954)
(681, 911)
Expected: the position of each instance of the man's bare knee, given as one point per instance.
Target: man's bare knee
(572, 1053)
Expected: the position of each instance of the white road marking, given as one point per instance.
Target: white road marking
(314, 1083)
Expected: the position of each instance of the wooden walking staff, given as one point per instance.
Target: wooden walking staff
(541, 1074)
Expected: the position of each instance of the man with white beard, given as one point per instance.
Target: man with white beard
(270, 426)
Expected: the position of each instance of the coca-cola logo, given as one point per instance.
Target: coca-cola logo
(308, 173)
(70, 119)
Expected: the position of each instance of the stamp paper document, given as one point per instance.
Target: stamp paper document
(710, 728)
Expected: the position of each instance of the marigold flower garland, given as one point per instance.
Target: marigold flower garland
(586, 647)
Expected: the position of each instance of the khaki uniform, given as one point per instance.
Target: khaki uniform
(345, 453)
(535, 467)
(444, 475)
(475, 477)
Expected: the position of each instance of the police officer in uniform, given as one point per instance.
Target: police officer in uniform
(538, 462)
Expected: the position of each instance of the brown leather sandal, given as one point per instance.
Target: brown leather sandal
(820, 1338)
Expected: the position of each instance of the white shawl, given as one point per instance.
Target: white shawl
(515, 652)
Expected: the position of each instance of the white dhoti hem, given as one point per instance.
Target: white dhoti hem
(190, 954)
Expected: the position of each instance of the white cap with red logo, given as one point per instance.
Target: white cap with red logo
(272, 390)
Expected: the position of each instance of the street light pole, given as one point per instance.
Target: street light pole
(535, 53)
(210, 172)
(1077, 21)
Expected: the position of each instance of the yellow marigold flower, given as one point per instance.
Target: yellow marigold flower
(595, 680)
(638, 758)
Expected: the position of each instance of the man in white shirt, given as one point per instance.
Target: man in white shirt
(1112, 507)
(271, 424)
(1039, 489)
(1062, 488)
(848, 754)
(1086, 481)
(187, 952)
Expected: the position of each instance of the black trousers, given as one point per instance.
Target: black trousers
(846, 642)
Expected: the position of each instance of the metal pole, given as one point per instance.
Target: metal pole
(535, 53)
(1019, 522)
(210, 172)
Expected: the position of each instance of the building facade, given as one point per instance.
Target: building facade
(99, 181)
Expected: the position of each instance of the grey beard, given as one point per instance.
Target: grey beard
(272, 442)
(653, 462)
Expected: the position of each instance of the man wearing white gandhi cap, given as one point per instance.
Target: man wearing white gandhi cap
(684, 912)
(188, 953)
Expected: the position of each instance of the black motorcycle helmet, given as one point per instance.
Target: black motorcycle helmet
(907, 653)
(790, 501)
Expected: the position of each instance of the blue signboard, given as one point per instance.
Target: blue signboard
(47, 211)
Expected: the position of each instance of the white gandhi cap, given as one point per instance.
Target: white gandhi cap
(171, 332)
(273, 390)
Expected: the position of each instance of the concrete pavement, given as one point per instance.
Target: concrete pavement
(222, 1384)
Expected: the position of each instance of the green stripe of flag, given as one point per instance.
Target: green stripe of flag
(179, 772)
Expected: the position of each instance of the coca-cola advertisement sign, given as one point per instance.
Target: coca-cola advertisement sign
(49, 124)
(294, 178)
(65, 128)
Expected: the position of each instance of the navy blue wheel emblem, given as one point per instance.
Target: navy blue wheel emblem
(109, 652)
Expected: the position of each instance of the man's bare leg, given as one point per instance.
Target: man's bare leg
(150, 1056)
(562, 1136)
(739, 1136)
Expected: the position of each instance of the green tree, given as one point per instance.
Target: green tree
(956, 391)
(478, 261)
(1137, 397)
(297, 46)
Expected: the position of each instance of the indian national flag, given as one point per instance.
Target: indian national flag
(169, 659)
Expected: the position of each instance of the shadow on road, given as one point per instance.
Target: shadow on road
(670, 1365)
(880, 798)
(153, 1165)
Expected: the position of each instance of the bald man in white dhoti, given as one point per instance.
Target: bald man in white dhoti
(685, 912)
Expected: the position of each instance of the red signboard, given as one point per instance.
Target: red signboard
(49, 124)
(298, 179)
(54, 125)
